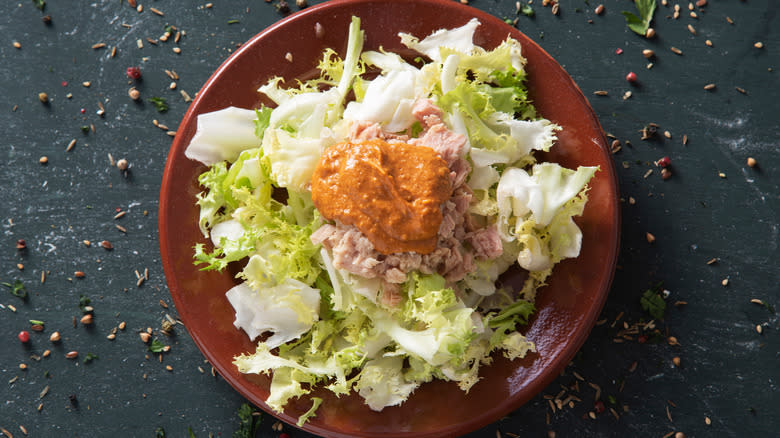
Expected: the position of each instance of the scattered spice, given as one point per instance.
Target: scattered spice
(599, 10)
(631, 77)
(72, 354)
(87, 319)
(648, 53)
(601, 93)
(54, 337)
(676, 51)
(751, 162)
(24, 336)
(709, 87)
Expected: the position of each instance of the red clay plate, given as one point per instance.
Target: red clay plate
(567, 307)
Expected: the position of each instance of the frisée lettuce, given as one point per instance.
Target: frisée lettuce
(320, 326)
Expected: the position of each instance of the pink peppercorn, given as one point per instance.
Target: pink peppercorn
(631, 77)
(618, 51)
(599, 406)
(24, 336)
(133, 72)
(664, 162)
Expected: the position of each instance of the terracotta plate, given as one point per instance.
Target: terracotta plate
(567, 308)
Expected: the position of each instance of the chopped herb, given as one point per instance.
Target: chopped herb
(84, 129)
(249, 422)
(36, 322)
(159, 433)
(159, 104)
(17, 289)
(90, 357)
(83, 303)
(233, 22)
(190, 432)
(639, 24)
(40, 4)
(156, 346)
(612, 400)
(653, 303)
(527, 10)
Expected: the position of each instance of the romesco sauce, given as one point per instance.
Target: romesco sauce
(391, 192)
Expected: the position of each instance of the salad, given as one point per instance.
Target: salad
(330, 302)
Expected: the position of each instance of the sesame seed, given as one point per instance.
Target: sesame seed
(709, 86)
(675, 50)
(758, 45)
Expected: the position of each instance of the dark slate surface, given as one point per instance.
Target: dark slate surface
(714, 207)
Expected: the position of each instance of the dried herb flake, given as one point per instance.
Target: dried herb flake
(17, 289)
(84, 301)
(159, 104)
(653, 303)
(527, 10)
(249, 422)
(639, 24)
(156, 346)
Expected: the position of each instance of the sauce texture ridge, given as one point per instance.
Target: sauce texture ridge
(391, 192)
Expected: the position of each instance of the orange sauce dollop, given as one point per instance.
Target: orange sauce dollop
(391, 192)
